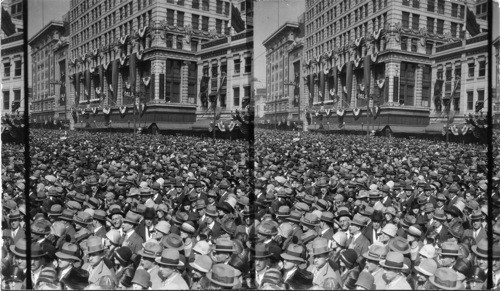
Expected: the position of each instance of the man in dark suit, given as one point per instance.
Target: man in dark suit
(66, 258)
(130, 237)
(358, 241)
(15, 232)
(99, 223)
(477, 232)
(145, 228)
(438, 226)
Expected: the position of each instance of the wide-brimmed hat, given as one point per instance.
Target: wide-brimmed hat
(343, 211)
(310, 219)
(366, 280)
(327, 216)
(224, 245)
(223, 275)
(476, 215)
(94, 244)
(395, 261)
(150, 249)
(349, 257)
(400, 245)
(293, 253)
(19, 249)
(449, 249)
(261, 251)
(481, 248)
(439, 214)
(83, 218)
(283, 211)
(294, 216)
(376, 253)
(173, 241)
(142, 278)
(14, 215)
(320, 246)
(427, 266)
(445, 278)
(41, 227)
(359, 220)
(132, 218)
(202, 263)
(428, 251)
(170, 257)
(267, 228)
(69, 251)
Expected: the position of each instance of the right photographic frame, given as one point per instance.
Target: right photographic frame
(375, 144)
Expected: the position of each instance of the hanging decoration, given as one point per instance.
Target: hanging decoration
(123, 111)
(376, 113)
(380, 83)
(357, 113)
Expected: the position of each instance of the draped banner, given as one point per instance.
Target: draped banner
(77, 88)
(321, 88)
(349, 81)
(438, 86)
(88, 84)
(367, 67)
(335, 85)
(114, 80)
(132, 72)
(204, 91)
(101, 78)
(311, 90)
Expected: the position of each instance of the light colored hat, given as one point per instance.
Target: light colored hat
(428, 251)
(427, 267)
(163, 227)
(202, 263)
(445, 278)
(340, 238)
(202, 247)
(395, 261)
(114, 236)
(390, 229)
(142, 277)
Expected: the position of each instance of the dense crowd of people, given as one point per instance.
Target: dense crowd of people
(306, 211)
(347, 212)
(163, 212)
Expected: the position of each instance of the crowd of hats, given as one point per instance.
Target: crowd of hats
(344, 212)
(186, 198)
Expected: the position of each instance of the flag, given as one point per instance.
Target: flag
(236, 22)
(471, 24)
(16, 105)
(8, 26)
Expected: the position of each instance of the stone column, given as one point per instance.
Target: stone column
(392, 70)
(418, 85)
(184, 98)
(157, 67)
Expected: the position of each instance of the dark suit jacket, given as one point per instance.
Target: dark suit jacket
(481, 235)
(360, 245)
(101, 232)
(134, 242)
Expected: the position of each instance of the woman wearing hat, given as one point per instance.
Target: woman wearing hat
(124, 267)
(141, 280)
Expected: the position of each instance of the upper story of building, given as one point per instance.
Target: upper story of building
(95, 24)
(334, 25)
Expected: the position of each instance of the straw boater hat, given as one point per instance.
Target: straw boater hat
(394, 261)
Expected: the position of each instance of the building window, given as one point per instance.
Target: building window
(179, 42)
(204, 23)
(428, 48)
(440, 9)
(218, 7)
(439, 74)
(430, 24)
(169, 41)
(248, 64)
(170, 17)
(480, 96)
(180, 19)
(236, 96)
(440, 26)
(406, 20)
(194, 45)
(431, 5)
(471, 69)
(414, 46)
(196, 4)
(6, 70)
(404, 43)
(205, 5)
(226, 8)
(218, 26)
(195, 21)
(415, 21)
(461, 12)
(180, 2)
(6, 100)
(449, 75)
(470, 100)
(482, 68)
(454, 10)
(237, 63)
(416, 3)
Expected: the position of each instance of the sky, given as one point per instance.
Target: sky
(267, 19)
(40, 13)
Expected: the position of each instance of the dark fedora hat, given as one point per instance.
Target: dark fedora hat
(19, 249)
(261, 251)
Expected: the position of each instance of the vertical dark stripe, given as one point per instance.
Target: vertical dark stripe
(152, 83)
(132, 72)
(311, 90)
(396, 90)
(489, 140)
(349, 81)
(386, 90)
(77, 88)
(367, 68)
(162, 87)
(88, 83)
(114, 80)
(101, 78)
(321, 86)
(27, 158)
